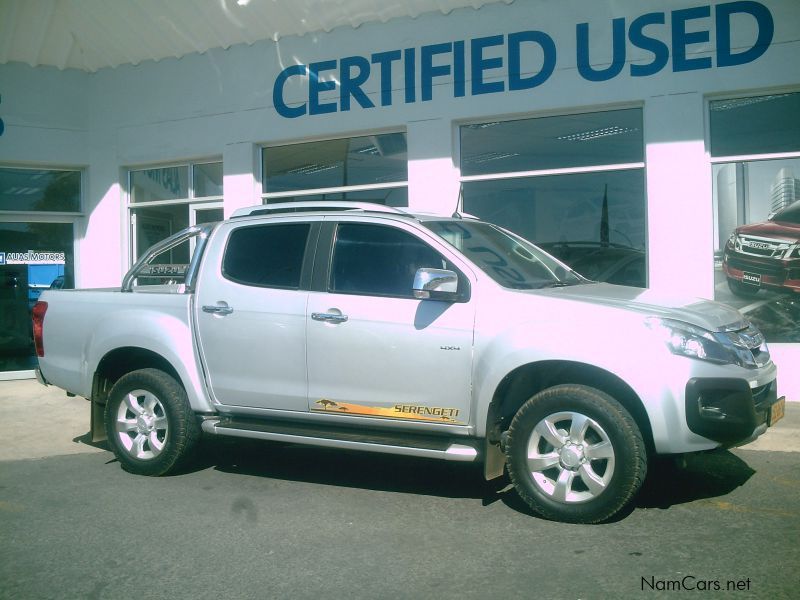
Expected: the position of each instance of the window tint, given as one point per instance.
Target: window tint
(266, 255)
(379, 261)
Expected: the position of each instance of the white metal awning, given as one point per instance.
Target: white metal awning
(93, 34)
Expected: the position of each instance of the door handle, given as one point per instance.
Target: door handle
(218, 309)
(329, 317)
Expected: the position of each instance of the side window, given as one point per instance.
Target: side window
(266, 255)
(379, 261)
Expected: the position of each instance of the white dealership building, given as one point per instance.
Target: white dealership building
(628, 139)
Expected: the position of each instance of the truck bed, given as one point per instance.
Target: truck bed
(80, 326)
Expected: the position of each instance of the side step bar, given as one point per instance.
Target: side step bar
(351, 439)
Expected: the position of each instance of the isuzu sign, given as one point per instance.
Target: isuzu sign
(471, 63)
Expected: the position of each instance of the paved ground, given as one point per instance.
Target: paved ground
(255, 520)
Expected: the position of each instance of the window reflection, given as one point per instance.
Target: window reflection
(33, 258)
(207, 180)
(40, 190)
(757, 243)
(388, 196)
(166, 183)
(363, 160)
(756, 125)
(595, 222)
(601, 138)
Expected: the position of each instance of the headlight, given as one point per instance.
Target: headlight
(691, 341)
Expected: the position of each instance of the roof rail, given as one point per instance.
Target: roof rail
(315, 205)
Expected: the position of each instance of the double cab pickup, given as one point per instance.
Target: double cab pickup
(366, 327)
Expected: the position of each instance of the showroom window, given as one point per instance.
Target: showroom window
(372, 168)
(572, 184)
(166, 199)
(38, 212)
(755, 153)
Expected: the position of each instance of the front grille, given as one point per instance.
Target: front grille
(765, 247)
(762, 267)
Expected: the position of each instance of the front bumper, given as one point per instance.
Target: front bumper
(728, 410)
(775, 274)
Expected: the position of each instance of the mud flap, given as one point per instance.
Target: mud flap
(494, 460)
(96, 424)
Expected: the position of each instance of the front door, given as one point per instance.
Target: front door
(376, 351)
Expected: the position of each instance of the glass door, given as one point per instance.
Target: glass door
(33, 258)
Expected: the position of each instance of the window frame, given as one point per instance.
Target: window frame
(130, 207)
(735, 158)
(76, 219)
(566, 171)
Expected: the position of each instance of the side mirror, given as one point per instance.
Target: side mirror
(436, 284)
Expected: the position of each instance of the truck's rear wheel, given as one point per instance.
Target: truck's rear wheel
(575, 454)
(149, 423)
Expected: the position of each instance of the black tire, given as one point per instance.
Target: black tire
(585, 475)
(150, 426)
(743, 290)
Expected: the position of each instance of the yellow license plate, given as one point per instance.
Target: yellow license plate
(777, 411)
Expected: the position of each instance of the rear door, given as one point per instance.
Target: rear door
(376, 351)
(251, 310)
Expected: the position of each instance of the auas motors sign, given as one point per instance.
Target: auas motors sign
(32, 257)
(473, 65)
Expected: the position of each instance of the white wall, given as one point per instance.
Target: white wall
(198, 106)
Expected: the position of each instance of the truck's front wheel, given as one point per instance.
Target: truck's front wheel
(575, 454)
(149, 423)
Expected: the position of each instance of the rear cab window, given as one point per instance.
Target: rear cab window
(269, 255)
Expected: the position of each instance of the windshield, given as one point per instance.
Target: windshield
(790, 214)
(508, 259)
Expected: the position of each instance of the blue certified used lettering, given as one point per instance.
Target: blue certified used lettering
(501, 63)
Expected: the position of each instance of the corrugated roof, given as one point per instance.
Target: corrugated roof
(94, 34)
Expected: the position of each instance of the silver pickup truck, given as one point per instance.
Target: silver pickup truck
(365, 327)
